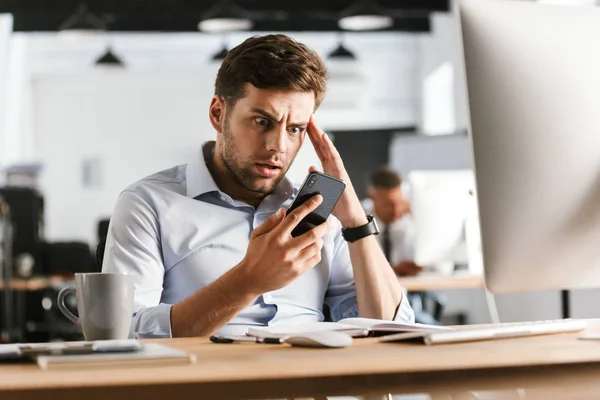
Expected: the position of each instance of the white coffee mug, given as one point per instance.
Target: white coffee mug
(104, 305)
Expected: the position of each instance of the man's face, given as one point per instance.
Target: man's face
(262, 134)
(389, 204)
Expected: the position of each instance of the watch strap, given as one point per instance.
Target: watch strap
(360, 232)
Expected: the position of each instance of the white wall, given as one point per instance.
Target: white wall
(378, 90)
(153, 115)
(409, 153)
(111, 118)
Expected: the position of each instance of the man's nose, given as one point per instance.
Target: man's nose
(277, 139)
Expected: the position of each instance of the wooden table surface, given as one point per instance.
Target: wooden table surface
(433, 282)
(540, 365)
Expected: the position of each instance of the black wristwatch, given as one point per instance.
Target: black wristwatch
(354, 234)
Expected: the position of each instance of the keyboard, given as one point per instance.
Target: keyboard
(490, 332)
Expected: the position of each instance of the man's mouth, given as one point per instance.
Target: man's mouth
(268, 170)
(269, 166)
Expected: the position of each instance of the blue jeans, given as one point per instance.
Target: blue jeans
(421, 316)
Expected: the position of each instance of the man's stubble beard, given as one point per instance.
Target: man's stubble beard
(243, 175)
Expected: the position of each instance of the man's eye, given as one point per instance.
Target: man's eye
(261, 121)
(296, 130)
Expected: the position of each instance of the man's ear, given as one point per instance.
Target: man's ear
(216, 113)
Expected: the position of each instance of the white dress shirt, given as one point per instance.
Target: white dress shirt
(175, 232)
(402, 239)
(402, 236)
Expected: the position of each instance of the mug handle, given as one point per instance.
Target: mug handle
(61, 304)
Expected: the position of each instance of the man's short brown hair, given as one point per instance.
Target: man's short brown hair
(271, 62)
(385, 178)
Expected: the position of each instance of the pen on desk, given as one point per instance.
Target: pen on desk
(233, 339)
(268, 340)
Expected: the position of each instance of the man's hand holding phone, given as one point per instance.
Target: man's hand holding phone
(274, 258)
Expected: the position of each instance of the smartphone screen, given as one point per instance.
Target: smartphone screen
(330, 188)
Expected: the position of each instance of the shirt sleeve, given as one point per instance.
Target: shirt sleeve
(341, 293)
(133, 248)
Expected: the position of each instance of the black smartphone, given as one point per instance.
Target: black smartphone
(317, 183)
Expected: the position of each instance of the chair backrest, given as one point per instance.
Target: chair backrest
(67, 258)
(103, 225)
(102, 228)
(100, 253)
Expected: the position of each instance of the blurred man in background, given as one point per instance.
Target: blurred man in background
(393, 213)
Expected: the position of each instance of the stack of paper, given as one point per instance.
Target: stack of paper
(151, 354)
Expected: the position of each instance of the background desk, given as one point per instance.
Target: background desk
(433, 282)
(556, 364)
(37, 283)
(460, 280)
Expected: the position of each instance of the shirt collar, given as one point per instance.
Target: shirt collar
(200, 181)
(198, 177)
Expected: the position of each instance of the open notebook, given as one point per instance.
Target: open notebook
(355, 327)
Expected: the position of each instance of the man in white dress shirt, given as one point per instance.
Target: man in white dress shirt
(393, 212)
(208, 243)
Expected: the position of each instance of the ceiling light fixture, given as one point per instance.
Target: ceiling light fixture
(83, 21)
(109, 59)
(221, 54)
(364, 15)
(341, 53)
(225, 16)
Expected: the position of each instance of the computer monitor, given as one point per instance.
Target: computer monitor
(533, 82)
(444, 210)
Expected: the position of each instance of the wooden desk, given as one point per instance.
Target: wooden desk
(546, 367)
(433, 282)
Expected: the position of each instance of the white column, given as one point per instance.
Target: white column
(5, 33)
(19, 135)
(443, 87)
